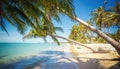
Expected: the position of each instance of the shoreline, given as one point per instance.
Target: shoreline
(69, 57)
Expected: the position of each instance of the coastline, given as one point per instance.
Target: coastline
(70, 57)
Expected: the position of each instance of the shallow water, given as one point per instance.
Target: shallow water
(16, 51)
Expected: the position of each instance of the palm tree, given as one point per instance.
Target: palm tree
(80, 34)
(114, 43)
(24, 13)
(108, 18)
(44, 31)
(97, 17)
(20, 13)
(112, 19)
(113, 16)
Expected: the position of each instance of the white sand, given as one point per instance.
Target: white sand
(85, 55)
(84, 59)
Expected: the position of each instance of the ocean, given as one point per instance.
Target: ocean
(12, 52)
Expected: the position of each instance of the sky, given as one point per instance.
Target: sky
(82, 9)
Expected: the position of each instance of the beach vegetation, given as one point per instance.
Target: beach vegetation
(103, 19)
(43, 31)
(106, 18)
(80, 34)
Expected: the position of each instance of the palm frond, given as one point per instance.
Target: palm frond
(59, 29)
(2, 24)
(55, 40)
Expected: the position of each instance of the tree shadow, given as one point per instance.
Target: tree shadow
(29, 63)
(54, 60)
(89, 64)
(23, 63)
(50, 52)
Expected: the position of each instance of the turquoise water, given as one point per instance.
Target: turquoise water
(14, 51)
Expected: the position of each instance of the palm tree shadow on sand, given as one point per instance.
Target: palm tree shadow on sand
(63, 62)
(54, 60)
(89, 64)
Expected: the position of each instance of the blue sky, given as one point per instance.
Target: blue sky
(82, 10)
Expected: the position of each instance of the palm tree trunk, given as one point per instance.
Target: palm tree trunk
(114, 43)
(75, 42)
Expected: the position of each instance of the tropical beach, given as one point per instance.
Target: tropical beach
(59, 34)
(64, 57)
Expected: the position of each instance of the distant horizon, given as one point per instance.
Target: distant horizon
(32, 42)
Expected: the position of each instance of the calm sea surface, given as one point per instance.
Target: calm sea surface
(15, 51)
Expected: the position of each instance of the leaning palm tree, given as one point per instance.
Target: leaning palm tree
(114, 43)
(27, 12)
(44, 31)
(112, 19)
(105, 18)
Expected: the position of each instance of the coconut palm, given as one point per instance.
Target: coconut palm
(114, 43)
(112, 19)
(22, 13)
(113, 16)
(80, 34)
(44, 31)
(17, 13)
(97, 16)
(107, 18)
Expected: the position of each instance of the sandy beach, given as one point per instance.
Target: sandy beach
(81, 58)
(103, 59)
